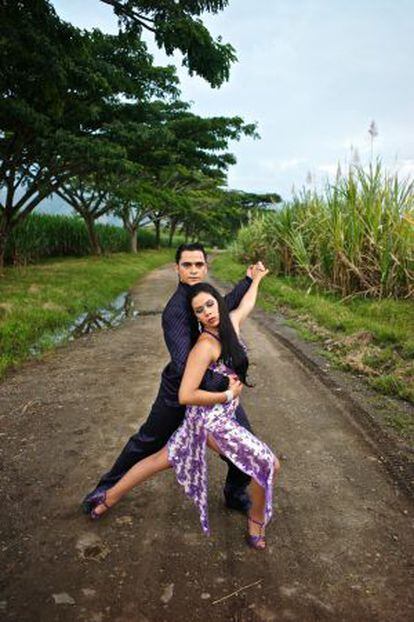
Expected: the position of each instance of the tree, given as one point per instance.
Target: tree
(90, 200)
(176, 151)
(175, 25)
(60, 88)
(128, 204)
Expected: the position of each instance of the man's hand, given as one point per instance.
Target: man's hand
(249, 271)
(257, 271)
(235, 385)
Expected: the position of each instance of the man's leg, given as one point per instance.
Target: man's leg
(162, 421)
(235, 492)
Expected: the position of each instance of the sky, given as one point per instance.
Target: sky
(313, 74)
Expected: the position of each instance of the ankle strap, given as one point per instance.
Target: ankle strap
(257, 522)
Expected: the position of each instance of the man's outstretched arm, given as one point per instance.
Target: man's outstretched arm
(234, 297)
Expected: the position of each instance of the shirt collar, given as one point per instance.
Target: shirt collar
(184, 287)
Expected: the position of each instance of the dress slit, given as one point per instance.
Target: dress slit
(187, 450)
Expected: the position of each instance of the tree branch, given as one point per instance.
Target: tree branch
(121, 9)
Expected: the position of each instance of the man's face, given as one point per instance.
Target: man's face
(192, 267)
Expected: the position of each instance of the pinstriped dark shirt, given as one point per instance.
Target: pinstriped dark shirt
(177, 335)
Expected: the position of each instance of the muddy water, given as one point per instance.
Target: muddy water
(114, 314)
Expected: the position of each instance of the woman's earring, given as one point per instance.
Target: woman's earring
(200, 327)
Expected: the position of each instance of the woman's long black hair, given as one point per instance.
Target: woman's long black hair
(232, 353)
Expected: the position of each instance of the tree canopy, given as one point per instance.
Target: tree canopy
(89, 116)
(176, 25)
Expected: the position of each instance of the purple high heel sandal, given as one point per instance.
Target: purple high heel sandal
(254, 541)
(98, 499)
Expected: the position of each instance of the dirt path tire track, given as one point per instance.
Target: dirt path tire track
(396, 457)
(340, 547)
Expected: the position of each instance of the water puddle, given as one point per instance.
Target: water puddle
(121, 308)
(107, 317)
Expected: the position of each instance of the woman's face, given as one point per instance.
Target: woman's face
(206, 310)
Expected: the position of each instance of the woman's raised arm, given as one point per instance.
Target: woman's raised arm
(248, 301)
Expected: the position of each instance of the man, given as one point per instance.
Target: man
(166, 413)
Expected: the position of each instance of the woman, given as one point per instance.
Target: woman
(210, 417)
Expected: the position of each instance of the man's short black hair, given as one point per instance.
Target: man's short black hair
(193, 246)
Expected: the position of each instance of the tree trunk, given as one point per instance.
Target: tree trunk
(4, 234)
(133, 240)
(3, 240)
(173, 227)
(158, 233)
(93, 238)
(187, 232)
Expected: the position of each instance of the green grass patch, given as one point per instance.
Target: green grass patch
(387, 353)
(390, 321)
(392, 385)
(402, 423)
(37, 301)
(304, 332)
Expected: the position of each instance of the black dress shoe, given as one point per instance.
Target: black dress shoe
(239, 502)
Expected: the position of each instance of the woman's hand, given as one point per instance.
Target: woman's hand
(258, 271)
(235, 385)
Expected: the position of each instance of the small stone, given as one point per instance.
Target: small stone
(63, 599)
(90, 546)
(3, 605)
(287, 590)
(124, 520)
(167, 593)
(205, 596)
(88, 592)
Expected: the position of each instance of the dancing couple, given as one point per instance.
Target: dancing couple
(198, 404)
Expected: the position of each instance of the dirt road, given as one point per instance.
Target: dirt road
(339, 547)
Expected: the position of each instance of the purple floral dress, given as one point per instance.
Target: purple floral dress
(187, 450)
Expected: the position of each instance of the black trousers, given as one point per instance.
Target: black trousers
(162, 421)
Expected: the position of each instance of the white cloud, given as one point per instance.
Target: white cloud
(331, 169)
(286, 165)
(282, 165)
(404, 168)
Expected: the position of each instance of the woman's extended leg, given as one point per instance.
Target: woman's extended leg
(245, 458)
(136, 474)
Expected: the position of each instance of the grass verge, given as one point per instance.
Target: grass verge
(39, 300)
(374, 338)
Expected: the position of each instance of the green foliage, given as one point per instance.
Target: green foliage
(39, 301)
(62, 90)
(89, 117)
(176, 25)
(355, 239)
(391, 385)
(369, 336)
(41, 236)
